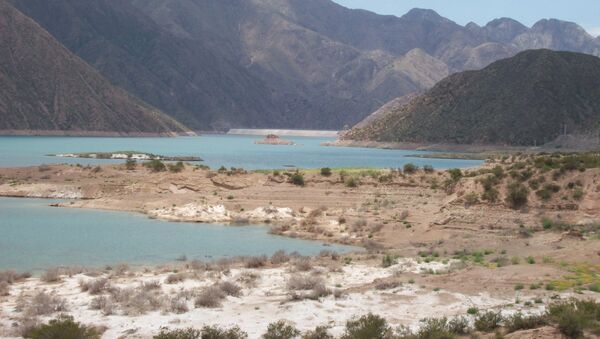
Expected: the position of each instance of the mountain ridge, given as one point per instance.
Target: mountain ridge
(525, 100)
(310, 64)
(47, 90)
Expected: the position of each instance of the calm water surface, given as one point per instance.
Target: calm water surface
(36, 236)
(216, 150)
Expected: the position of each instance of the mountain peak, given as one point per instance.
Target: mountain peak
(505, 23)
(423, 14)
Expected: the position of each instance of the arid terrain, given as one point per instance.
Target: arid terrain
(515, 235)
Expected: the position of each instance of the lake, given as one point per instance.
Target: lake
(36, 236)
(216, 150)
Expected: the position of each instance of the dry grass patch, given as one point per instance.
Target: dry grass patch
(44, 304)
(96, 286)
(209, 297)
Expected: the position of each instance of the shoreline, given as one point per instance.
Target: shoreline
(98, 134)
(429, 239)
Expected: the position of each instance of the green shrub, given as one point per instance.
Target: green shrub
(442, 328)
(472, 310)
(573, 317)
(428, 169)
(547, 224)
(318, 333)
(297, 179)
(578, 194)
(62, 327)
(326, 171)
(351, 182)
(519, 322)
(410, 168)
(188, 333)
(177, 168)
(455, 174)
(215, 332)
(517, 195)
(489, 321)
(155, 166)
(130, 164)
(281, 330)
(367, 326)
(498, 172)
(471, 199)
(490, 195)
(388, 260)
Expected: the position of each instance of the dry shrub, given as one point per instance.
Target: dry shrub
(178, 306)
(317, 212)
(103, 304)
(248, 278)
(96, 286)
(230, 288)
(303, 264)
(319, 291)
(279, 257)
(45, 304)
(10, 276)
(404, 215)
(4, 289)
(151, 285)
(121, 269)
(143, 302)
(175, 278)
(136, 302)
(299, 282)
(376, 227)
(256, 262)
(331, 254)
(26, 325)
(222, 265)
(371, 245)
(198, 265)
(209, 297)
(358, 225)
(388, 285)
(52, 275)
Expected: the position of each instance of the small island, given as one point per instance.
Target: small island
(272, 139)
(141, 156)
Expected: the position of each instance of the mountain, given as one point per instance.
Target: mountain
(528, 99)
(44, 88)
(218, 64)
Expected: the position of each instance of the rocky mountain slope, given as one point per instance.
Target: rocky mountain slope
(280, 63)
(44, 88)
(528, 99)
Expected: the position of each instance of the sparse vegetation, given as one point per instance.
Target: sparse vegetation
(297, 179)
(62, 327)
(155, 166)
(517, 195)
(281, 330)
(367, 326)
(177, 167)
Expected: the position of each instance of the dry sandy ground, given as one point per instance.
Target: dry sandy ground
(267, 299)
(404, 215)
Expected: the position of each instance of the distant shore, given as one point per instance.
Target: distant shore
(284, 132)
(56, 133)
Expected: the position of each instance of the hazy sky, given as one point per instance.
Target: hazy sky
(584, 12)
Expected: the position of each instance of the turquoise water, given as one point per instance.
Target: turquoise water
(35, 236)
(216, 150)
